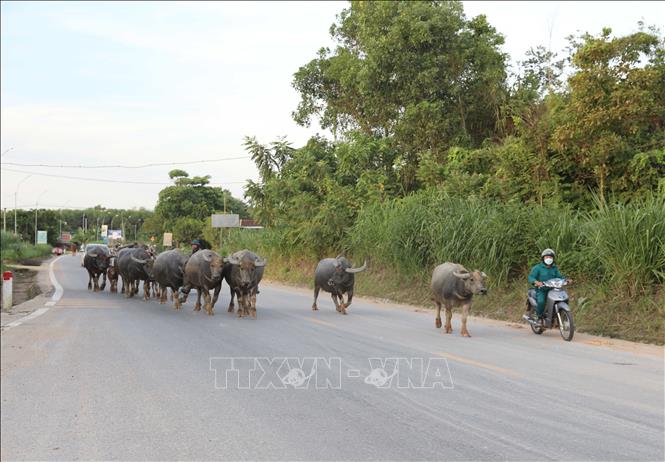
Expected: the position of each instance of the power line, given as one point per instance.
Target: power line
(103, 180)
(158, 164)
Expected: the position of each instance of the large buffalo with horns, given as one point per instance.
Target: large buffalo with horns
(169, 272)
(243, 272)
(336, 276)
(453, 285)
(135, 265)
(203, 272)
(96, 260)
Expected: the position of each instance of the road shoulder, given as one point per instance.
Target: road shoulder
(642, 349)
(28, 307)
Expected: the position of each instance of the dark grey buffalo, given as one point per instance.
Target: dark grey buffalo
(169, 272)
(203, 272)
(243, 272)
(135, 265)
(453, 286)
(96, 262)
(112, 274)
(336, 276)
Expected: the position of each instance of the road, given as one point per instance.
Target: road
(98, 376)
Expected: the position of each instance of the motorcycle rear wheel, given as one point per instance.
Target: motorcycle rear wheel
(566, 326)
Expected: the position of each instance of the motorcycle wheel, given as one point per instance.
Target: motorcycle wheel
(566, 326)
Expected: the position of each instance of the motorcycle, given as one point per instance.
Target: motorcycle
(557, 311)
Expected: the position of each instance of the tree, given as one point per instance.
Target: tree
(418, 72)
(615, 108)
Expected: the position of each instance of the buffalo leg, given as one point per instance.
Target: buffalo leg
(336, 302)
(216, 294)
(316, 295)
(252, 304)
(241, 304)
(103, 286)
(197, 307)
(206, 299)
(184, 293)
(349, 297)
(178, 305)
(233, 294)
(449, 317)
(163, 295)
(438, 315)
(89, 280)
(465, 312)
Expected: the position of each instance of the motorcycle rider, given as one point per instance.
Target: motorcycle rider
(543, 271)
(196, 246)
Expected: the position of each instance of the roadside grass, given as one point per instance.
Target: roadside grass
(13, 250)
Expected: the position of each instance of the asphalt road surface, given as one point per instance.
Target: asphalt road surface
(99, 376)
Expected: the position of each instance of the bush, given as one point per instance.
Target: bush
(15, 250)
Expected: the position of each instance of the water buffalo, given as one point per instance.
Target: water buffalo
(135, 265)
(112, 274)
(169, 271)
(243, 272)
(96, 261)
(336, 276)
(452, 286)
(203, 271)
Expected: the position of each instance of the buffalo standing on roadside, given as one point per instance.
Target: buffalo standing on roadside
(96, 262)
(135, 265)
(243, 272)
(336, 276)
(203, 271)
(452, 286)
(169, 272)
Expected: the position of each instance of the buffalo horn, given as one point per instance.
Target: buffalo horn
(141, 262)
(357, 270)
(462, 275)
(260, 262)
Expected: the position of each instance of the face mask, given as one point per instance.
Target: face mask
(549, 261)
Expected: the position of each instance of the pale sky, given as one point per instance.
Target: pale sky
(139, 83)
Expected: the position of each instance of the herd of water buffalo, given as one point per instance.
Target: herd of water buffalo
(205, 270)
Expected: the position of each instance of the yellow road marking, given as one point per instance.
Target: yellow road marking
(323, 323)
(471, 362)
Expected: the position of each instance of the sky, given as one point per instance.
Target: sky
(131, 83)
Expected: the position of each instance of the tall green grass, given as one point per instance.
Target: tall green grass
(621, 245)
(14, 249)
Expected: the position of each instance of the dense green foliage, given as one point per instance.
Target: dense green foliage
(442, 152)
(14, 250)
(73, 221)
(183, 208)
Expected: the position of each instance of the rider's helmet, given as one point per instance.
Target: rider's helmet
(196, 242)
(547, 252)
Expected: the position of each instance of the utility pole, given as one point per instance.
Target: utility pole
(4, 220)
(16, 194)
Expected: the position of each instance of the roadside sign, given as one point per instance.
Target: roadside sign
(168, 239)
(41, 237)
(228, 220)
(105, 230)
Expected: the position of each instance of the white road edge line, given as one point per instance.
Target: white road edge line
(59, 291)
(57, 295)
